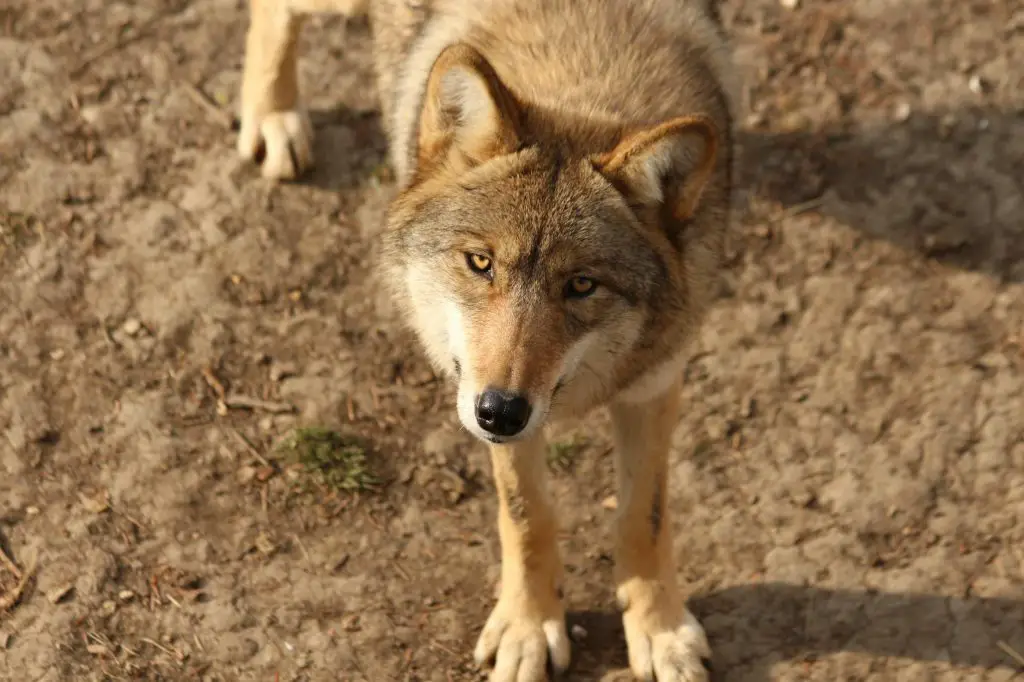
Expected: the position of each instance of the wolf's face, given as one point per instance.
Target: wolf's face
(530, 277)
(530, 272)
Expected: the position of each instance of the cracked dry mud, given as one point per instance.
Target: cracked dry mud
(848, 480)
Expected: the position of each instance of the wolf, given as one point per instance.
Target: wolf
(563, 176)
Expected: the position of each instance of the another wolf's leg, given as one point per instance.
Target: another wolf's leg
(665, 641)
(527, 626)
(272, 115)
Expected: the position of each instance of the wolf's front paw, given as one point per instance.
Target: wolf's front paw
(665, 643)
(286, 141)
(522, 636)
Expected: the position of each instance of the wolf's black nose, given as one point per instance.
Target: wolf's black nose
(500, 413)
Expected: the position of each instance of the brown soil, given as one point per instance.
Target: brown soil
(849, 474)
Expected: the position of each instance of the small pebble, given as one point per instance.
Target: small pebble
(610, 502)
(976, 85)
(132, 326)
(790, 4)
(246, 474)
(125, 595)
(579, 633)
(902, 112)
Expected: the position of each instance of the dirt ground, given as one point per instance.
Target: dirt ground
(848, 489)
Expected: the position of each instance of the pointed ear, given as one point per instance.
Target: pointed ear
(468, 115)
(667, 165)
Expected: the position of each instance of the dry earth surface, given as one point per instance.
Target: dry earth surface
(848, 479)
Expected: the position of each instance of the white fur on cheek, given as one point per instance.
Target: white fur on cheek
(572, 360)
(456, 334)
(458, 347)
(434, 331)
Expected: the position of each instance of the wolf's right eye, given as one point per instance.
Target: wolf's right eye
(479, 264)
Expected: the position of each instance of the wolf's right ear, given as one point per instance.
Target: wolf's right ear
(667, 165)
(468, 115)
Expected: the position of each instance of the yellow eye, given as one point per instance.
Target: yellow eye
(478, 263)
(580, 287)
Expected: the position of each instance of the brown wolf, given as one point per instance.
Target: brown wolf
(564, 182)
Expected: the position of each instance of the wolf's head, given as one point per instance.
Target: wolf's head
(539, 271)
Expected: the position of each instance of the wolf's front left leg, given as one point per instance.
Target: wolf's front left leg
(527, 627)
(665, 641)
(273, 118)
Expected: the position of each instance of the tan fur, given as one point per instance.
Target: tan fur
(566, 145)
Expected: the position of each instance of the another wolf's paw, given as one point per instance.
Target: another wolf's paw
(286, 141)
(522, 640)
(663, 653)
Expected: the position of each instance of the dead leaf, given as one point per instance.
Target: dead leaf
(97, 504)
(265, 545)
(97, 649)
(59, 594)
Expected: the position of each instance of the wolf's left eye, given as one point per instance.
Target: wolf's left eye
(580, 287)
(479, 264)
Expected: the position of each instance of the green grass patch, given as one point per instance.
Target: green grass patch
(562, 454)
(329, 460)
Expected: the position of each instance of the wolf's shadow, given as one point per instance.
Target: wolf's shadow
(754, 626)
(948, 184)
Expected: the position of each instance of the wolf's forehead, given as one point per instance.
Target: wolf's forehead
(550, 206)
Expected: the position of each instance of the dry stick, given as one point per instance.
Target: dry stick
(249, 447)
(162, 648)
(1009, 651)
(141, 32)
(214, 382)
(9, 563)
(10, 599)
(245, 402)
(204, 102)
(302, 546)
(798, 209)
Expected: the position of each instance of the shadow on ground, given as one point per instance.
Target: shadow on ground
(802, 624)
(941, 184)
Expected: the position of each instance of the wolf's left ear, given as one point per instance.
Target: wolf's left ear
(468, 114)
(668, 165)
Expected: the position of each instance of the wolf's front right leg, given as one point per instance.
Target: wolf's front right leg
(665, 641)
(273, 119)
(526, 630)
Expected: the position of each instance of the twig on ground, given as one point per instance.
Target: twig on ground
(9, 563)
(11, 598)
(238, 401)
(214, 383)
(199, 97)
(161, 647)
(249, 447)
(798, 209)
(1011, 652)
